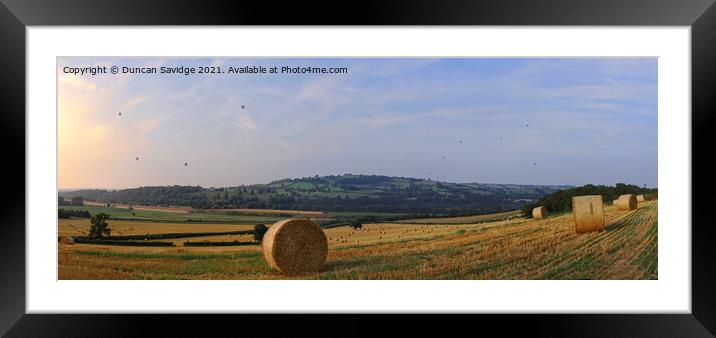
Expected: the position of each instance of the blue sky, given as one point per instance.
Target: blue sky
(525, 121)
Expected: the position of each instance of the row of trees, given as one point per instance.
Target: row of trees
(76, 201)
(414, 200)
(335, 193)
(65, 214)
(562, 200)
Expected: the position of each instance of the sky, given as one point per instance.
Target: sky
(509, 120)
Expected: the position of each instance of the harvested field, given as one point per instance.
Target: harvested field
(464, 219)
(218, 238)
(510, 249)
(79, 227)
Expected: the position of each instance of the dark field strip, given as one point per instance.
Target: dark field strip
(184, 256)
(121, 243)
(234, 243)
(168, 235)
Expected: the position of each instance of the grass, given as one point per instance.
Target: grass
(164, 216)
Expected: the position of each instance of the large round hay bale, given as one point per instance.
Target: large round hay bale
(640, 198)
(588, 213)
(626, 202)
(294, 246)
(539, 212)
(67, 240)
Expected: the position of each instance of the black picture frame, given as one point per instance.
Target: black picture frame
(16, 15)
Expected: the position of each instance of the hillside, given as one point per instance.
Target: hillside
(356, 193)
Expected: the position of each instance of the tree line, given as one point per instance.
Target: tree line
(357, 193)
(561, 201)
(63, 213)
(76, 201)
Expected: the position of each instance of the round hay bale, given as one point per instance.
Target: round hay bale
(539, 212)
(67, 240)
(640, 198)
(626, 202)
(294, 246)
(588, 213)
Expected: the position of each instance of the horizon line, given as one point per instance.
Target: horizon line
(309, 177)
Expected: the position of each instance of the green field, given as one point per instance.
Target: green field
(347, 214)
(163, 216)
(214, 216)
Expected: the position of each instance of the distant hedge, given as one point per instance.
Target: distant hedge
(120, 242)
(178, 235)
(62, 213)
(561, 201)
(234, 243)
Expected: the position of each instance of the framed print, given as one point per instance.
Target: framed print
(497, 161)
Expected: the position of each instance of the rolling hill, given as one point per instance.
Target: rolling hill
(354, 193)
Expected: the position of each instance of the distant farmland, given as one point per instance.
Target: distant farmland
(297, 213)
(176, 214)
(346, 193)
(464, 219)
(165, 216)
(181, 210)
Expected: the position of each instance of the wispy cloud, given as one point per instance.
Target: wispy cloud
(460, 119)
(244, 121)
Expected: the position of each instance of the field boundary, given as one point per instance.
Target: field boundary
(167, 235)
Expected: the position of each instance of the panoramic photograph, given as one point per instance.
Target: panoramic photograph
(357, 168)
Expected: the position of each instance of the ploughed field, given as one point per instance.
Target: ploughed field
(516, 248)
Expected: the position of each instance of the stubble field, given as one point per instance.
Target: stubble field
(510, 249)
